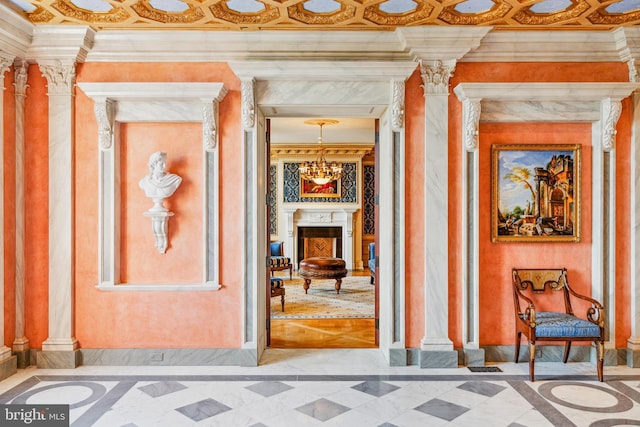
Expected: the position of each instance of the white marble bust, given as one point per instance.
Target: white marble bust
(158, 184)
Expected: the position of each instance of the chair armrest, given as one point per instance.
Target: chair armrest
(595, 313)
(528, 315)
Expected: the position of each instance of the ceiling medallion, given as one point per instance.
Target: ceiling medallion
(69, 10)
(525, 16)
(451, 16)
(415, 16)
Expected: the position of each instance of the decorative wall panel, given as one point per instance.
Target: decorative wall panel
(292, 186)
(369, 200)
(273, 199)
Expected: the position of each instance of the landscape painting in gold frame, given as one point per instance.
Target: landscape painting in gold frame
(308, 188)
(535, 193)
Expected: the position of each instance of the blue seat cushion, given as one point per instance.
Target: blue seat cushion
(556, 325)
(279, 261)
(276, 283)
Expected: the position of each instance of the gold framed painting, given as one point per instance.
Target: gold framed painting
(535, 193)
(308, 188)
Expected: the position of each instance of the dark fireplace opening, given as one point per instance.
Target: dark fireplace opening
(319, 232)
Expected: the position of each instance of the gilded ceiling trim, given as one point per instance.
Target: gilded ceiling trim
(421, 13)
(525, 16)
(297, 12)
(451, 16)
(69, 10)
(600, 16)
(145, 10)
(40, 16)
(222, 12)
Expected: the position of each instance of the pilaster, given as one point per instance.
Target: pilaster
(633, 343)
(437, 348)
(7, 360)
(21, 342)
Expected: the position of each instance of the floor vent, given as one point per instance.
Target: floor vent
(484, 369)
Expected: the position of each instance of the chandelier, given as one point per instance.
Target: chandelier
(319, 171)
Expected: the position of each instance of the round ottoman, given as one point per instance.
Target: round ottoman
(322, 268)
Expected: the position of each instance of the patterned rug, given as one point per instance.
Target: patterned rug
(356, 300)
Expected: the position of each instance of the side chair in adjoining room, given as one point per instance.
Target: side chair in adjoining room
(277, 260)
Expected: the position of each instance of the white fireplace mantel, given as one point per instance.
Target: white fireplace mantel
(321, 216)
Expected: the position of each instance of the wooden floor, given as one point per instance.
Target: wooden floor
(322, 333)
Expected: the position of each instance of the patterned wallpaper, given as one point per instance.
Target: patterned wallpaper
(292, 186)
(273, 197)
(369, 196)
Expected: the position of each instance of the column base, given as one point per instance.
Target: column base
(58, 359)
(633, 353)
(439, 359)
(8, 367)
(473, 356)
(23, 357)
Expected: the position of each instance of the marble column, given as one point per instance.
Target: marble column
(436, 347)
(633, 343)
(20, 343)
(60, 349)
(7, 360)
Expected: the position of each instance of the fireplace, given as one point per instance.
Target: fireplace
(324, 222)
(323, 237)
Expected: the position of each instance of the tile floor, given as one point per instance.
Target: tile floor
(333, 388)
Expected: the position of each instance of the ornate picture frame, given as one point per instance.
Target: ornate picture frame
(535, 192)
(309, 188)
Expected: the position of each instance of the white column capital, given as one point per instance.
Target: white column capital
(61, 76)
(436, 75)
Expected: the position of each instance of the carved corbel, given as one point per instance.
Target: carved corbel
(436, 75)
(397, 104)
(470, 123)
(60, 77)
(633, 71)
(248, 104)
(609, 114)
(210, 125)
(5, 66)
(105, 114)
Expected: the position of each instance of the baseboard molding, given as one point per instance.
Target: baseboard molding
(169, 357)
(551, 353)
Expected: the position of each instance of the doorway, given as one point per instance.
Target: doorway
(315, 225)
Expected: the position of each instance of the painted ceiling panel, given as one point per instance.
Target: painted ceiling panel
(330, 14)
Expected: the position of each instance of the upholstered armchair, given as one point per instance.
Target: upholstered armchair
(372, 262)
(277, 260)
(533, 288)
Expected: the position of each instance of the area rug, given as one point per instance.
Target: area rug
(355, 300)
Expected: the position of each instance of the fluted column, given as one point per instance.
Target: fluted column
(20, 343)
(7, 360)
(60, 348)
(437, 348)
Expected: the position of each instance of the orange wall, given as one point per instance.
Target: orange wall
(414, 208)
(161, 319)
(183, 262)
(497, 259)
(36, 209)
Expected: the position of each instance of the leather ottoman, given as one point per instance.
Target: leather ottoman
(322, 268)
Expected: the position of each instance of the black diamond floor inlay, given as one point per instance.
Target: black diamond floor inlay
(375, 388)
(204, 409)
(482, 387)
(442, 409)
(269, 388)
(323, 409)
(162, 388)
(484, 369)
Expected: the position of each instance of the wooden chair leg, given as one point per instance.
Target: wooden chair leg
(567, 348)
(517, 352)
(290, 273)
(282, 299)
(600, 364)
(532, 359)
